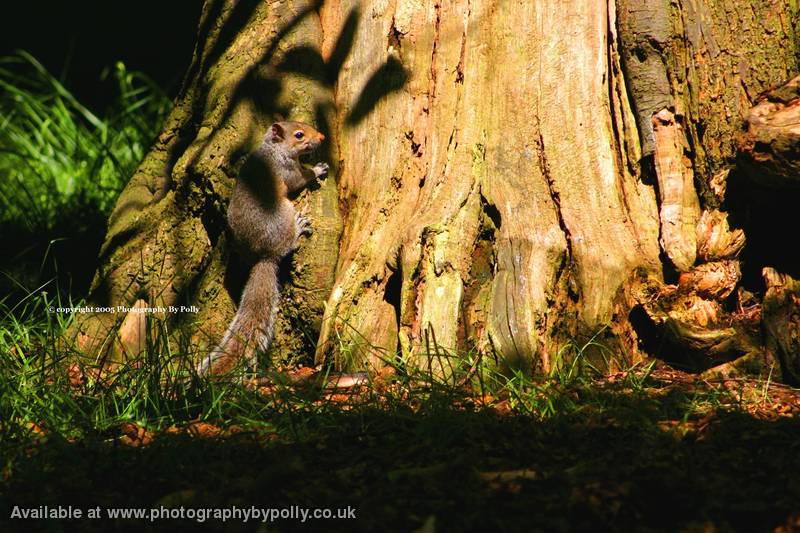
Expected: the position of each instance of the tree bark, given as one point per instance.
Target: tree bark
(769, 149)
(509, 179)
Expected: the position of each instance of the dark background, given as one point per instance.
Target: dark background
(76, 41)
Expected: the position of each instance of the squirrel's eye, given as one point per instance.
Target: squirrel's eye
(298, 135)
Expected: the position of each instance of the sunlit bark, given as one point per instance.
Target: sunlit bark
(509, 178)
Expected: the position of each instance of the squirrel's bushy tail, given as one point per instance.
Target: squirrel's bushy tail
(252, 327)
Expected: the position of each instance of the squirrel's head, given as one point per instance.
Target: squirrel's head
(298, 137)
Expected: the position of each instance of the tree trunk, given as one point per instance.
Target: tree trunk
(509, 179)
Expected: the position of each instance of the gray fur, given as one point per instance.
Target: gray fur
(266, 228)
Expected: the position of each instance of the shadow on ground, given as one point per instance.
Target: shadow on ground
(624, 461)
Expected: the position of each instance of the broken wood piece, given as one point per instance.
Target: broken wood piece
(688, 326)
(680, 207)
(769, 150)
(715, 240)
(713, 281)
(132, 332)
(754, 365)
(781, 320)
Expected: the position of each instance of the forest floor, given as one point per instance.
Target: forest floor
(649, 449)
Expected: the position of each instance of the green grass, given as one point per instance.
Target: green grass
(62, 167)
(56, 156)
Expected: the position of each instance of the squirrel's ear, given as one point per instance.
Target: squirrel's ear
(277, 132)
(277, 117)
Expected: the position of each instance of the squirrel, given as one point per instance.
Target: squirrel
(265, 228)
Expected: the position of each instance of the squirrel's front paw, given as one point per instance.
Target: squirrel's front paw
(321, 170)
